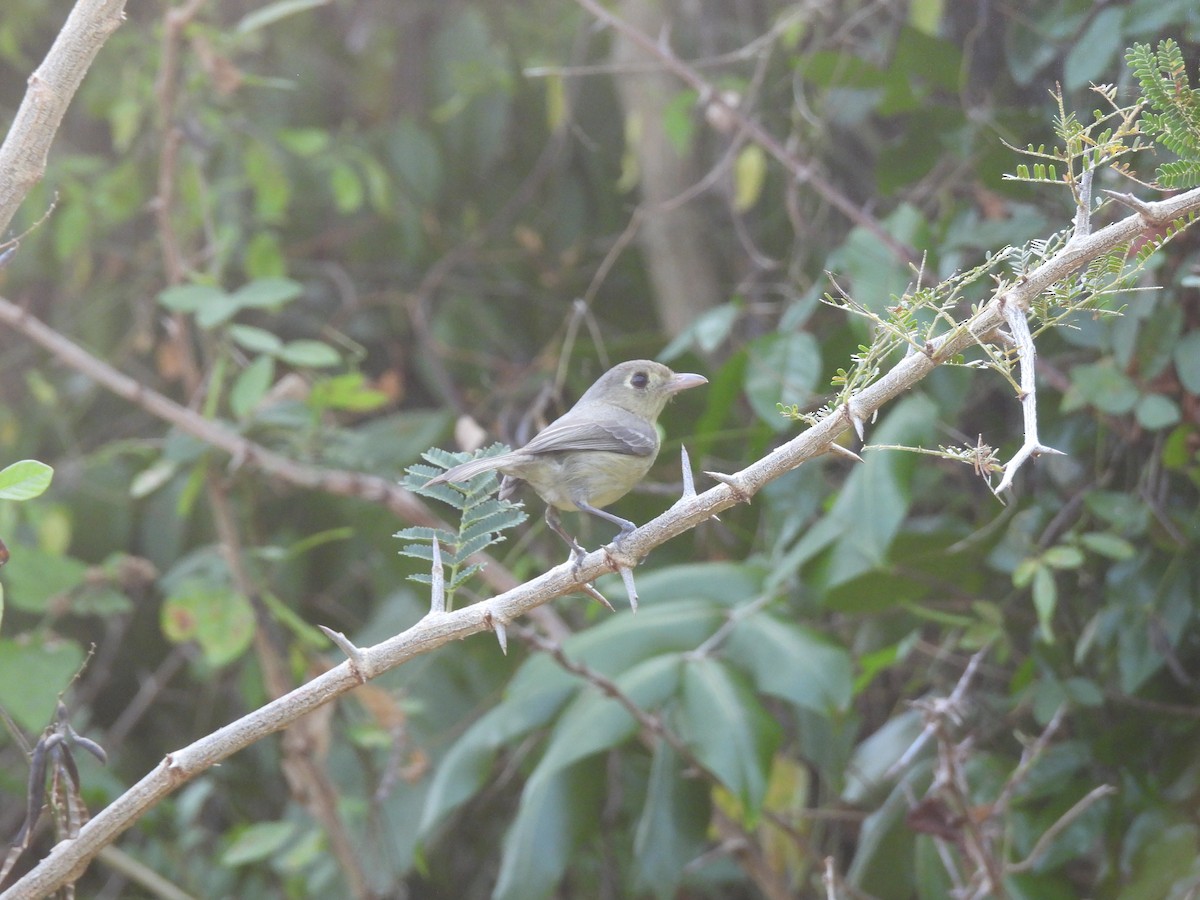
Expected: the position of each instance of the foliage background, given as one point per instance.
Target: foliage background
(343, 226)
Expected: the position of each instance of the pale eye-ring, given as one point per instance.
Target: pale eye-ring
(639, 380)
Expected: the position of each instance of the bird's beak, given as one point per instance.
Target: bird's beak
(681, 381)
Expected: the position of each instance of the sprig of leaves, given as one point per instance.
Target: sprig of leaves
(483, 517)
(1173, 117)
(1114, 134)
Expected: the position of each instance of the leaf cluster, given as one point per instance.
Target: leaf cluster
(483, 518)
(1172, 117)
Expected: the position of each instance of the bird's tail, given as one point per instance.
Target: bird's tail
(468, 470)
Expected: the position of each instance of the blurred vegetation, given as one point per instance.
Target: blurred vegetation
(343, 228)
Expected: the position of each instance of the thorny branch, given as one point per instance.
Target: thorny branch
(22, 160)
(438, 629)
(1018, 327)
(948, 812)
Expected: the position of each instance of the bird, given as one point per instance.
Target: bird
(594, 453)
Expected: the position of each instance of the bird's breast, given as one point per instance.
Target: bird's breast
(597, 477)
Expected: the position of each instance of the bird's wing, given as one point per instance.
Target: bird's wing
(613, 430)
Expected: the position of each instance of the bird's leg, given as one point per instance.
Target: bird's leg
(619, 560)
(577, 555)
(577, 552)
(626, 526)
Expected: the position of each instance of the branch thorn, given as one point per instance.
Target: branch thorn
(856, 419)
(354, 655)
(730, 482)
(493, 622)
(838, 450)
(590, 589)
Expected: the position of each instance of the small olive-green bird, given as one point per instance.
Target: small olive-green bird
(596, 452)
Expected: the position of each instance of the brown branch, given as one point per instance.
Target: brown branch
(307, 780)
(170, 140)
(68, 859)
(715, 105)
(51, 88)
(243, 451)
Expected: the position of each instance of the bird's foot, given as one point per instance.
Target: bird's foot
(578, 554)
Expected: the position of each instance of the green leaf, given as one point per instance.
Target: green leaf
(347, 188)
(256, 340)
(269, 179)
(749, 176)
(679, 121)
(310, 354)
(883, 863)
(620, 642)
(875, 276)
(794, 663)
(865, 518)
(728, 729)
(1045, 600)
(217, 311)
(1063, 557)
(32, 675)
(926, 15)
(263, 257)
(1107, 544)
(256, 842)
(1100, 385)
(465, 766)
(190, 298)
(707, 332)
(346, 392)
(671, 830)
(151, 478)
(1162, 863)
(595, 722)
(555, 814)
(1155, 412)
(781, 368)
(273, 12)
(24, 480)
(1186, 354)
(1093, 53)
(220, 620)
(416, 159)
(724, 583)
(875, 756)
(306, 142)
(251, 386)
(267, 293)
(37, 579)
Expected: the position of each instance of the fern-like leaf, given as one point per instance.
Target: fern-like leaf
(483, 518)
(1173, 116)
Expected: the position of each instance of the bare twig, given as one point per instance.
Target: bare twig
(51, 87)
(308, 782)
(1018, 327)
(939, 709)
(1050, 835)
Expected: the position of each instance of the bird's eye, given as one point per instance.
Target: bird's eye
(639, 380)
